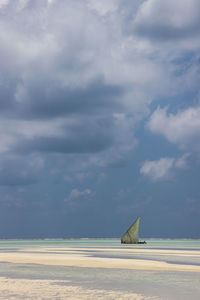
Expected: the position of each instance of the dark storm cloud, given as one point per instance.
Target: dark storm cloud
(53, 73)
(47, 99)
(86, 137)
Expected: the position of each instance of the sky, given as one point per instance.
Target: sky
(99, 118)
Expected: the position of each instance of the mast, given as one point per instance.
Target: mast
(131, 235)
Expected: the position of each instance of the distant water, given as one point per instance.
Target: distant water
(179, 244)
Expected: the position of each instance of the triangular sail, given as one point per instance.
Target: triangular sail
(131, 235)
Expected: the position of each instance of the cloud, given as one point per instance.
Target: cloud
(58, 92)
(66, 90)
(49, 99)
(164, 168)
(103, 7)
(3, 2)
(165, 20)
(182, 128)
(76, 194)
(78, 80)
(80, 136)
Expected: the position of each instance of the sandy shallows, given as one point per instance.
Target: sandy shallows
(80, 258)
(54, 289)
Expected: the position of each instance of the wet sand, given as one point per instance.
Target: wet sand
(52, 289)
(63, 272)
(76, 257)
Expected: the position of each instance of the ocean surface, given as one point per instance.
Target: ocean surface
(187, 244)
(149, 283)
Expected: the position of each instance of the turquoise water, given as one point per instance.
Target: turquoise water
(185, 244)
(166, 285)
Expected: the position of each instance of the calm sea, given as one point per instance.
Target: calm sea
(175, 285)
(180, 244)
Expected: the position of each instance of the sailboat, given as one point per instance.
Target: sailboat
(131, 235)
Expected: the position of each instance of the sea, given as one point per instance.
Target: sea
(158, 284)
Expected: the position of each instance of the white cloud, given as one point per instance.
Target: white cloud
(182, 128)
(12, 130)
(168, 19)
(77, 194)
(103, 7)
(3, 2)
(164, 168)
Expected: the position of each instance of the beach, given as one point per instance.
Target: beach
(93, 269)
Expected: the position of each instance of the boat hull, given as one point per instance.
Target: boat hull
(124, 242)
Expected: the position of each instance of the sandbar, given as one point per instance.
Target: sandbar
(77, 257)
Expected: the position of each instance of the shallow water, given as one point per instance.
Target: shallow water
(159, 284)
(191, 244)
